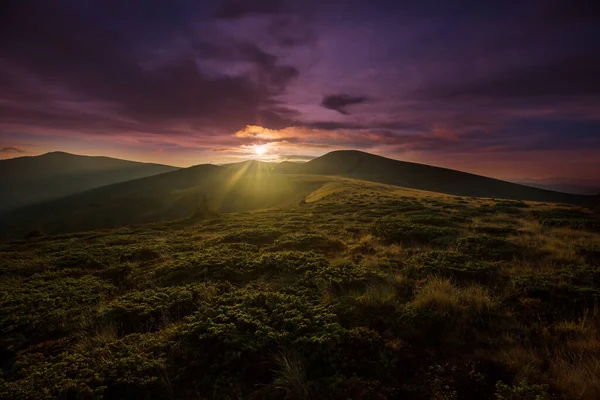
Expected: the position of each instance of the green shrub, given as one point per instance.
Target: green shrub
(431, 220)
(292, 262)
(127, 367)
(341, 275)
(488, 247)
(587, 224)
(252, 236)
(149, 309)
(44, 308)
(559, 294)
(308, 241)
(408, 233)
(230, 337)
(521, 391)
(453, 264)
(231, 262)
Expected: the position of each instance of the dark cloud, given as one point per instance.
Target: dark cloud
(295, 157)
(83, 59)
(11, 150)
(575, 75)
(230, 9)
(332, 125)
(339, 102)
(291, 30)
(373, 125)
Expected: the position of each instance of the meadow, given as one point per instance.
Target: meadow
(359, 290)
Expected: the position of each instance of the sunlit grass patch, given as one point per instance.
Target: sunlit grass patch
(443, 297)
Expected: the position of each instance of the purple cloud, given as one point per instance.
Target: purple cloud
(11, 150)
(339, 102)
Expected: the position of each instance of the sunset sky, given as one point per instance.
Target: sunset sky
(506, 89)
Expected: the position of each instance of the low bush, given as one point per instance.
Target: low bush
(132, 366)
(252, 236)
(586, 224)
(452, 264)
(488, 248)
(150, 309)
(408, 233)
(231, 336)
(443, 314)
(231, 262)
(308, 241)
(45, 308)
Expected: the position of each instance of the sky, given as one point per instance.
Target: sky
(505, 89)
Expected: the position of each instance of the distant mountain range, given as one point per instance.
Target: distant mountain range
(565, 185)
(165, 193)
(29, 180)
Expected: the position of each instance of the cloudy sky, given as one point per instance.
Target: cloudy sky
(506, 89)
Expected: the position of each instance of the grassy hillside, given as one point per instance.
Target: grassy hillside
(28, 180)
(361, 291)
(369, 167)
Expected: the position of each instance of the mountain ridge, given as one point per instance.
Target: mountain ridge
(370, 167)
(32, 179)
(252, 185)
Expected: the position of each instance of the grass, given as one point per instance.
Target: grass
(359, 291)
(578, 378)
(291, 376)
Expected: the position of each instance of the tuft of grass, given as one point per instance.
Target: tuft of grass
(525, 362)
(577, 377)
(440, 295)
(96, 333)
(379, 295)
(458, 308)
(291, 376)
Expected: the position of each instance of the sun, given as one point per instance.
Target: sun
(260, 150)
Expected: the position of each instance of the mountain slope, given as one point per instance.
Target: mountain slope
(28, 180)
(374, 291)
(562, 185)
(370, 167)
(251, 185)
(178, 194)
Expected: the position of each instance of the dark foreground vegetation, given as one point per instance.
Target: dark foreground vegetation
(359, 291)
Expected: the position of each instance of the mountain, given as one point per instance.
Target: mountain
(565, 185)
(252, 185)
(202, 189)
(370, 167)
(28, 180)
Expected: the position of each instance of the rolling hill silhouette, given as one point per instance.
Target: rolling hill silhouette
(251, 185)
(179, 194)
(365, 166)
(28, 180)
